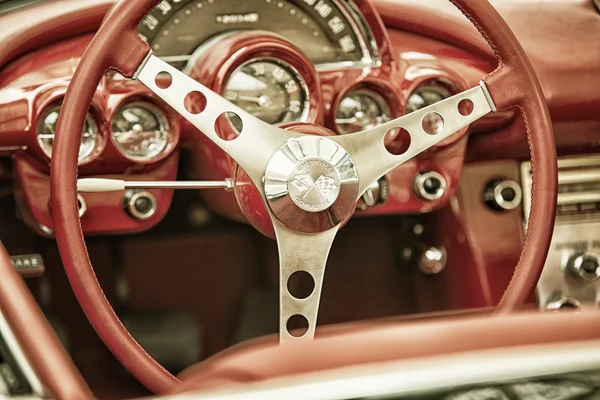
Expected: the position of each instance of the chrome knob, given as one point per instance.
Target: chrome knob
(503, 194)
(433, 260)
(561, 302)
(377, 193)
(430, 185)
(81, 205)
(585, 265)
(140, 204)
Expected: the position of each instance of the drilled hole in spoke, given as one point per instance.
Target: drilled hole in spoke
(433, 123)
(465, 107)
(195, 102)
(397, 141)
(163, 80)
(229, 125)
(297, 325)
(301, 284)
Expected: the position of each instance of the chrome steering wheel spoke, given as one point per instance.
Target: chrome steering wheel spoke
(251, 149)
(310, 184)
(306, 254)
(373, 160)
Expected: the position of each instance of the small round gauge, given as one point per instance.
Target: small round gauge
(47, 127)
(140, 131)
(424, 96)
(360, 110)
(271, 90)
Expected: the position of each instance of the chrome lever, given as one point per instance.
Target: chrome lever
(100, 185)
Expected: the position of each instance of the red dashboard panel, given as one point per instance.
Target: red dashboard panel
(39, 78)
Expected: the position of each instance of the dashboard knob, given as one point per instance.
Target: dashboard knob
(503, 194)
(430, 185)
(585, 265)
(81, 205)
(433, 260)
(561, 302)
(377, 193)
(140, 204)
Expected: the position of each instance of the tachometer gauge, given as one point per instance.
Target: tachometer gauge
(47, 128)
(269, 89)
(140, 131)
(360, 110)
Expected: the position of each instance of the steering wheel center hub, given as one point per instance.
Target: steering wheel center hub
(314, 185)
(311, 184)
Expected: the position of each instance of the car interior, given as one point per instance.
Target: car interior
(299, 199)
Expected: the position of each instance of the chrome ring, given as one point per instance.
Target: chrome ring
(81, 205)
(578, 266)
(419, 185)
(130, 199)
(504, 204)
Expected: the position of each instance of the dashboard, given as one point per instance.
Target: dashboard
(327, 31)
(325, 62)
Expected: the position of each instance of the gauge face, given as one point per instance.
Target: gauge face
(270, 90)
(320, 28)
(47, 128)
(360, 110)
(140, 131)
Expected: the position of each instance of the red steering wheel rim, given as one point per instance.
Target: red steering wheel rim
(117, 46)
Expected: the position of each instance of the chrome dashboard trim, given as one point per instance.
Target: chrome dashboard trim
(488, 96)
(17, 352)
(576, 230)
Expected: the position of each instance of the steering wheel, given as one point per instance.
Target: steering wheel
(309, 183)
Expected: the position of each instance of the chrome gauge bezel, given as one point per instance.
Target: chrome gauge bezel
(443, 88)
(91, 128)
(164, 127)
(304, 116)
(375, 95)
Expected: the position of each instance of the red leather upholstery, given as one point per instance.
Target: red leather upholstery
(387, 340)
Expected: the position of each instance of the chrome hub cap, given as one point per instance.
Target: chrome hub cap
(311, 184)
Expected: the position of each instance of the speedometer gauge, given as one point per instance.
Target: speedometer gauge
(271, 90)
(325, 30)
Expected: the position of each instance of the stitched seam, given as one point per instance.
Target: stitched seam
(532, 213)
(483, 33)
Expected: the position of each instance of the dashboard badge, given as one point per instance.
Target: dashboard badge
(311, 184)
(314, 186)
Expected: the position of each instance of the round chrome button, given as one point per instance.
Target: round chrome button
(314, 185)
(311, 184)
(585, 265)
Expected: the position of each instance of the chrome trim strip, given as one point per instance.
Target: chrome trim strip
(579, 176)
(13, 148)
(488, 96)
(142, 65)
(17, 352)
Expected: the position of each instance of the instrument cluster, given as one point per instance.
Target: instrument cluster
(139, 130)
(323, 62)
